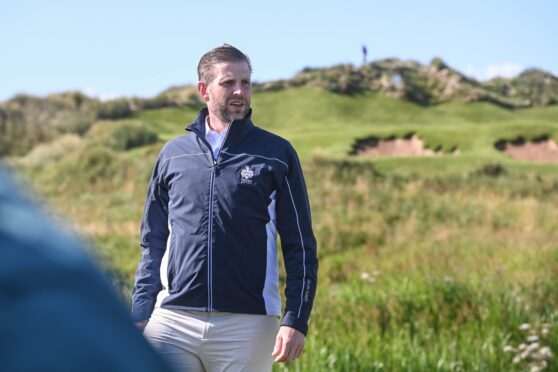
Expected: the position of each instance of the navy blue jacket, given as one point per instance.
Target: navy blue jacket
(209, 227)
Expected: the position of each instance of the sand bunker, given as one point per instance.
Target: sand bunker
(397, 147)
(540, 151)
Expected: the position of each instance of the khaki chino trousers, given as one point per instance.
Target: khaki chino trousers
(213, 341)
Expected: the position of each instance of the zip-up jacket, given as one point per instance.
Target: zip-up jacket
(209, 227)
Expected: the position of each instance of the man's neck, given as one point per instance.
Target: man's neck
(217, 124)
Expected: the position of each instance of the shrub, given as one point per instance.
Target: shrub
(115, 109)
(52, 151)
(95, 164)
(129, 136)
(491, 170)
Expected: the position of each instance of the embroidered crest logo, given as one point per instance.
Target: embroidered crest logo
(246, 175)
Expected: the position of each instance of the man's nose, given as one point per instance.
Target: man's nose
(239, 90)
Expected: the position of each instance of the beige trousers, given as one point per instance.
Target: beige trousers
(213, 341)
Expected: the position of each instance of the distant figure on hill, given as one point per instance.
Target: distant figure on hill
(207, 285)
(364, 53)
(57, 312)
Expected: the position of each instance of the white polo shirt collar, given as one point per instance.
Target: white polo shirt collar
(214, 138)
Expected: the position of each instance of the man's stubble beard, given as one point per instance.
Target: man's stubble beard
(226, 116)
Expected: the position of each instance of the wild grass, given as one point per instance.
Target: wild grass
(429, 274)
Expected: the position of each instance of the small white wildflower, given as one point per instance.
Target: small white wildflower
(538, 355)
(521, 347)
(331, 359)
(366, 277)
(524, 327)
(545, 325)
(545, 331)
(546, 352)
(525, 354)
(516, 359)
(532, 347)
(376, 272)
(535, 368)
(508, 349)
(533, 338)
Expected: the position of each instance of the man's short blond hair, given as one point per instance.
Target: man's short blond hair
(224, 53)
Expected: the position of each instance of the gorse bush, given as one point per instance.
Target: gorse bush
(115, 109)
(26, 120)
(120, 135)
(96, 164)
(129, 136)
(49, 152)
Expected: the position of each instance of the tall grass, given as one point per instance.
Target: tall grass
(429, 274)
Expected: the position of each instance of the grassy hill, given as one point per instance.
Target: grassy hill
(322, 123)
(26, 121)
(425, 263)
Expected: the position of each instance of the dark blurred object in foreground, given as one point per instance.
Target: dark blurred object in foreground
(57, 312)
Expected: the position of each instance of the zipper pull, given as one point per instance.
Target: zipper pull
(214, 163)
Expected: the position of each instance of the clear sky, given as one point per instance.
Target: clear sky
(113, 48)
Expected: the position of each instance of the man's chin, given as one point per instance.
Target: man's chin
(229, 115)
(238, 115)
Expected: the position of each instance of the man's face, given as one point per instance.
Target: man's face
(228, 95)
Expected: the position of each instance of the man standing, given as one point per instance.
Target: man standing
(208, 274)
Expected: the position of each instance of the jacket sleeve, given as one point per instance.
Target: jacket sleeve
(153, 240)
(298, 244)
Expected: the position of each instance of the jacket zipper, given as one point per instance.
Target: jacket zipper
(215, 163)
(210, 237)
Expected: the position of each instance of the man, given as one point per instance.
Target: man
(208, 276)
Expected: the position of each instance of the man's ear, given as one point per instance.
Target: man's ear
(202, 90)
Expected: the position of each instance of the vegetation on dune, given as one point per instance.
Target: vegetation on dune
(26, 120)
(533, 85)
(425, 84)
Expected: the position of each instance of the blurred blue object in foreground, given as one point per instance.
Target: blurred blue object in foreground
(57, 311)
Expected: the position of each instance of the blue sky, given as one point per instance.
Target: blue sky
(113, 48)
